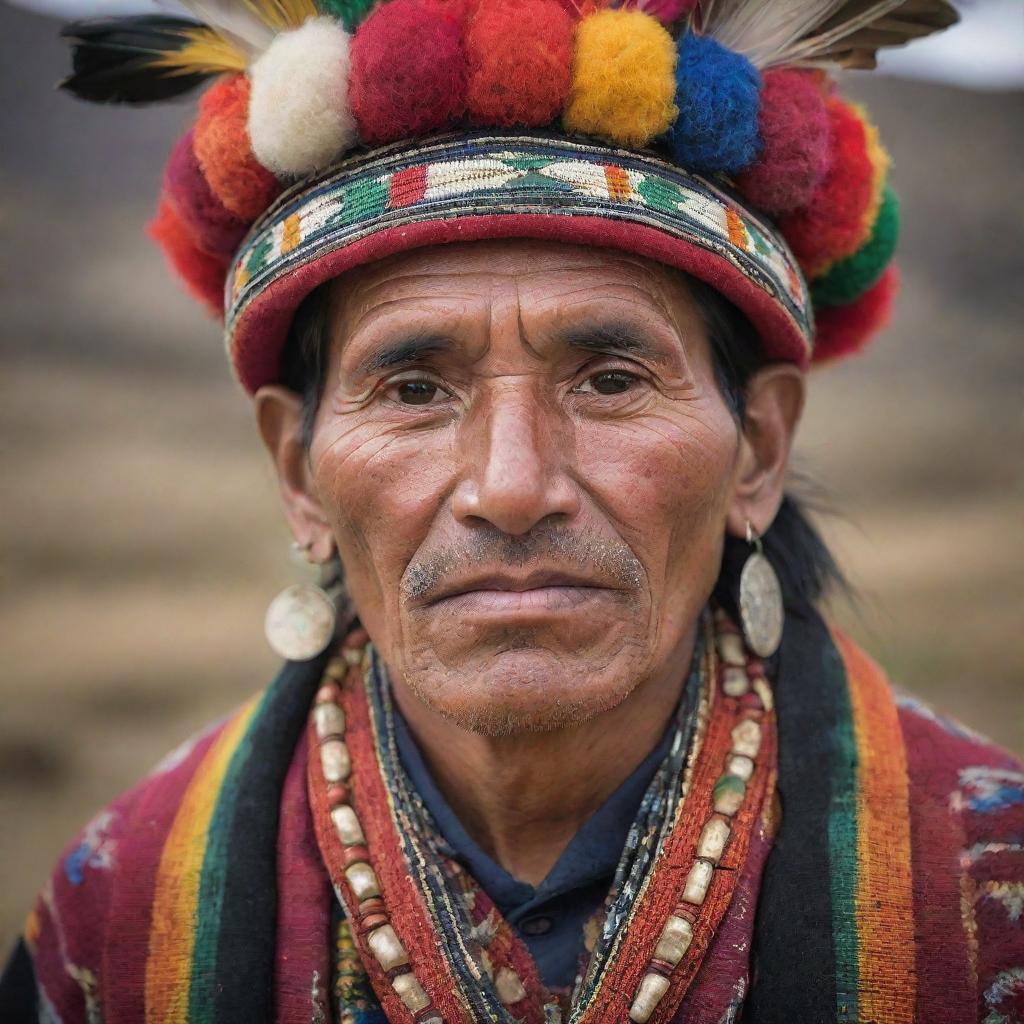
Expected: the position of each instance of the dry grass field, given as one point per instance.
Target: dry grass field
(141, 535)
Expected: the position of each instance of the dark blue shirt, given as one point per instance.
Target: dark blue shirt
(548, 917)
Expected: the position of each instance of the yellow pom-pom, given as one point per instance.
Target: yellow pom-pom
(623, 78)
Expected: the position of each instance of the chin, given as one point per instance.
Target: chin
(521, 689)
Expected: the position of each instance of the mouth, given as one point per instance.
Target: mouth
(538, 593)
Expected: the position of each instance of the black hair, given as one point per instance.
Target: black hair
(799, 555)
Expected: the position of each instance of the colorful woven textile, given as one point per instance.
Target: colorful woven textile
(166, 908)
(486, 186)
(891, 892)
(394, 876)
(870, 904)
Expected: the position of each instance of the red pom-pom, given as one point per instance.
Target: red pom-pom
(212, 225)
(221, 144)
(830, 227)
(843, 330)
(202, 273)
(520, 62)
(408, 72)
(460, 10)
(793, 123)
(669, 11)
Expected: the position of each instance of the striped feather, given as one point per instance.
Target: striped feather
(847, 33)
(142, 59)
(205, 52)
(251, 24)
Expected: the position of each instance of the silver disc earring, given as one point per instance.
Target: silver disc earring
(302, 619)
(761, 611)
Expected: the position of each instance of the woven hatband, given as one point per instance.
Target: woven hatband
(466, 187)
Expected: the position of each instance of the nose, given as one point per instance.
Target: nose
(515, 477)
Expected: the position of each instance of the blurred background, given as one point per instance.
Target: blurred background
(141, 533)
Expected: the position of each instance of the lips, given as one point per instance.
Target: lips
(497, 583)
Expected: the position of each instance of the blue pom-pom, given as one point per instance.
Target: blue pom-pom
(718, 94)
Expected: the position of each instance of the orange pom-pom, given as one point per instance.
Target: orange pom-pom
(203, 274)
(520, 62)
(843, 330)
(224, 152)
(831, 226)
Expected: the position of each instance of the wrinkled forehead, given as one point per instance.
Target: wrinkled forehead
(553, 282)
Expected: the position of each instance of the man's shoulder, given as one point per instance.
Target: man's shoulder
(962, 782)
(100, 887)
(939, 827)
(938, 745)
(951, 745)
(106, 843)
(966, 803)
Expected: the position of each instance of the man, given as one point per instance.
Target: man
(563, 736)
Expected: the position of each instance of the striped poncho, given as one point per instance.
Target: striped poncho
(892, 890)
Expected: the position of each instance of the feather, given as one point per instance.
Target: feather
(251, 24)
(859, 35)
(816, 32)
(143, 59)
(234, 20)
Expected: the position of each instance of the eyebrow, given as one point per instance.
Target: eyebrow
(403, 352)
(611, 337)
(614, 338)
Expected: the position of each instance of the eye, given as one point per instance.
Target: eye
(418, 391)
(610, 382)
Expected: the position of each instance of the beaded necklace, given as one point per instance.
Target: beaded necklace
(433, 945)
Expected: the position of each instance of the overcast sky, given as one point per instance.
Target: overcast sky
(985, 51)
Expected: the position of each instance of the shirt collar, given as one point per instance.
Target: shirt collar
(591, 856)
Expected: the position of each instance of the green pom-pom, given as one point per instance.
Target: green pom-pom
(349, 12)
(849, 279)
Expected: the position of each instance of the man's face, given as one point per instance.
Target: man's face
(527, 467)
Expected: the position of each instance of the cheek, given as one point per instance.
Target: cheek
(665, 478)
(381, 492)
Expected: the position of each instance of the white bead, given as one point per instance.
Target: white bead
(697, 882)
(335, 761)
(739, 765)
(329, 720)
(384, 945)
(746, 738)
(648, 995)
(350, 832)
(735, 682)
(363, 880)
(730, 649)
(712, 840)
(675, 940)
(410, 991)
(508, 986)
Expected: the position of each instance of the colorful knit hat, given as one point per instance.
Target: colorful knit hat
(702, 133)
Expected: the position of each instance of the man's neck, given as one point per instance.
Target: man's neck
(523, 797)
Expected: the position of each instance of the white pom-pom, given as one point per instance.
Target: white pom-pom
(299, 114)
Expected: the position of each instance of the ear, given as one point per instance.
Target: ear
(774, 402)
(279, 416)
